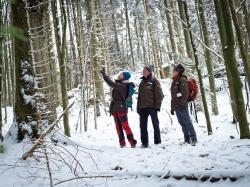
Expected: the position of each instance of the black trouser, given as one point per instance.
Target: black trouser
(144, 113)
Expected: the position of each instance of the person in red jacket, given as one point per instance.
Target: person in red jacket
(118, 107)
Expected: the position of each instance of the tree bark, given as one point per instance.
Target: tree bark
(1, 72)
(114, 28)
(228, 43)
(186, 32)
(209, 126)
(229, 75)
(208, 59)
(176, 30)
(159, 69)
(170, 29)
(98, 84)
(247, 21)
(129, 33)
(62, 63)
(243, 53)
(24, 111)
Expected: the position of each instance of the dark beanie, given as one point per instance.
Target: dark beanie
(126, 75)
(180, 68)
(150, 68)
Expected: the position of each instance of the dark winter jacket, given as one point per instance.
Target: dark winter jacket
(119, 93)
(179, 86)
(150, 94)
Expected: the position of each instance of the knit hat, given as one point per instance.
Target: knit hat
(180, 68)
(126, 75)
(150, 68)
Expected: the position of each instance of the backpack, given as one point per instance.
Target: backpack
(129, 99)
(193, 90)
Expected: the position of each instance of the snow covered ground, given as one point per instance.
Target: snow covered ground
(104, 163)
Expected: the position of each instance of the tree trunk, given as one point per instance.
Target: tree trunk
(198, 69)
(176, 29)
(1, 72)
(243, 53)
(99, 93)
(129, 33)
(7, 58)
(117, 46)
(159, 70)
(229, 75)
(25, 111)
(141, 31)
(170, 29)
(62, 63)
(227, 40)
(247, 21)
(76, 28)
(186, 33)
(5, 86)
(40, 43)
(208, 58)
(73, 73)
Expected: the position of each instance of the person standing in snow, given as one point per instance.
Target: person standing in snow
(179, 104)
(118, 107)
(150, 97)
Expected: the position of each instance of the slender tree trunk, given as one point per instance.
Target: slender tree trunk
(1, 68)
(114, 28)
(176, 30)
(62, 63)
(7, 59)
(81, 38)
(159, 70)
(99, 93)
(72, 74)
(186, 32)
(139, 58)
(243, 53)
(247, 20)
(209, 127)
(208, 59)
(170, 29)
(227, 40)
(129, 33)
(141, 31)
(76, 29)
(5, 86)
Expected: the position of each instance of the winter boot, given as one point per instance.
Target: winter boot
(134, 144)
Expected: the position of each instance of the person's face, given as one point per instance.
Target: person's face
(120, 76)
(146, 73)
(175, 73)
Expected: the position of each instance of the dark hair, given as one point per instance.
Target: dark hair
(180, 68)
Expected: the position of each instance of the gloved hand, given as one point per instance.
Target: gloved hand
(172, 112)
(103, 71)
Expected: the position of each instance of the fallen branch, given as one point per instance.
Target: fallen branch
(48, 166)
(43, 135)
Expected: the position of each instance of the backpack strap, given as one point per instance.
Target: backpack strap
(153, 81)
(124, 99)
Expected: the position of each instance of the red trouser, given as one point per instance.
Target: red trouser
(121, 122)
